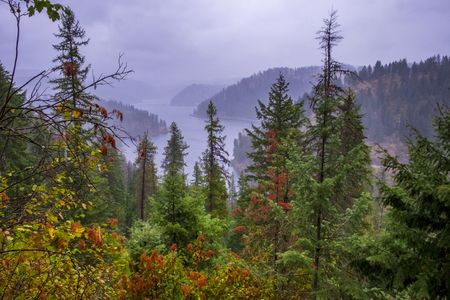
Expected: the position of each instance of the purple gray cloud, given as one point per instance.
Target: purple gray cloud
(176, 42)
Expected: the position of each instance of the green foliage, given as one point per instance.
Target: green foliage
(331, 177)
(15, 156)
(111, 197)
(262, 219)
(146, 181)
(412, 256)
(401, 94)
(174, 152)
(281, 120)
(46, 252)
(53, 9)
(69, 62)
(48, 246)
(301, 223)
(175, 276)
(176, 212)
(198, 176)
(215, 161)
(144, 237)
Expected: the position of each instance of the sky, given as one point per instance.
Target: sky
(173, 43)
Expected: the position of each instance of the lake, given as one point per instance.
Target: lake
(192, 129)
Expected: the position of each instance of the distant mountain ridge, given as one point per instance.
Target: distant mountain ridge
(193, 94)
(239, 100)
(392, 96)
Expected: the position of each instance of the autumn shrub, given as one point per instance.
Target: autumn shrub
(195, 275)
(67, 260)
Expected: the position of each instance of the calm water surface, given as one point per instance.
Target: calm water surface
(192, 129)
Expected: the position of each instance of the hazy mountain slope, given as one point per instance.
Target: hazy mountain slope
(394, 97)
(397, 95)
(193, 94)
(239, 100)
(136, 121)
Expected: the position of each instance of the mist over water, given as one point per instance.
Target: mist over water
(192, 129)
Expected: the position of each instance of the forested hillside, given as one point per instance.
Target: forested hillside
(393, 96)
(239, 100)
(395, 99)
(308, 219)
(193, 94)
(136, 122)
(399, 95)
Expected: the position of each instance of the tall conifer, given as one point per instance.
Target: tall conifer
(173, 211)
(174, 152)
(147, 181)
(215, 162)
(338, 152)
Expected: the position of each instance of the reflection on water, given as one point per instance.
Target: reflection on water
(192, 129)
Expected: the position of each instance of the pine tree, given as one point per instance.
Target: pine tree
(174, 211)
(329, 196)
(275, 142)
(215, 162)
(14, 155)
(411, 258)
(75, 110)
(131, 209)
(70, 87)
(147, 172)
(174, 152)
(281, 120)
(324, 104)
(198, 176)
(233, 194)
(352, 148)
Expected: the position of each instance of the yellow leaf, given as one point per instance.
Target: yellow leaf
(76, 114)
(51, 232)
(51, 217)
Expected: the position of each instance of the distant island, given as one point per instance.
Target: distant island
(193, 94)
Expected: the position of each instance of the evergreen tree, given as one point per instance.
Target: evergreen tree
(18, 156)
(198, 177)
(80, 117)
(411, 259)
(352, 148)
(329, 196)
(233, 194)
(116, 189)
(325, 105)
(70, 87)
(215, 162)
(275, 142)
(281, 120)
(14, 154)
(174, 152)
(175, 211)
(131, 184)
(147, 173)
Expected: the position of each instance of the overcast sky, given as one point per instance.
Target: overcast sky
(186, 41)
